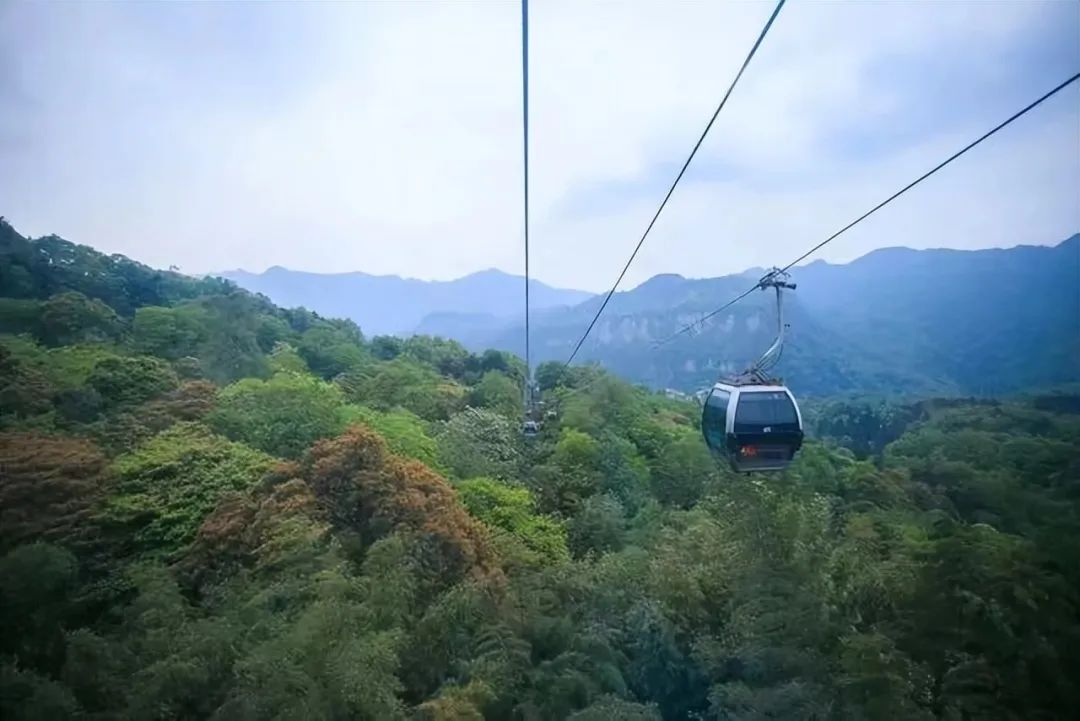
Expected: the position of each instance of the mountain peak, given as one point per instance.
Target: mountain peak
(661, 280)
(485, 273)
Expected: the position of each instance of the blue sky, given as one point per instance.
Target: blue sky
(385, 137)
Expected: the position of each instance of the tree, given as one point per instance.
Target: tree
(73, 318)
(684, 471)
(499, 393)
(573, 474)
(405, 433)
(599, 526)
(332, 348)
(387, 347)
(191, 401)
(367, 490)
(448, 357)
(29, 696)
(121, 432)
(20, 316)
(512, 509)
(285, 359)
(611, 708)
(63, 368)
(505, 363)
(36, 584)
(168, 485)
(456, 703)
(551, 374)
(48, 486)
(283, 415)
(230, 348)
(407, 384)
(171, 333)
(24, 390)
(126, 381)
(478, 442)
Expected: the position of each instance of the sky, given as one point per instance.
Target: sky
(386, 136)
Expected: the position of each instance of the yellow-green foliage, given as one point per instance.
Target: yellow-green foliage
(65, 367)
(405, 432)
(513, 509)
(165, 488)
(283, 415)
(407, 384)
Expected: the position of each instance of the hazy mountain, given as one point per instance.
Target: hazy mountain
(922, 321)
(390, 304)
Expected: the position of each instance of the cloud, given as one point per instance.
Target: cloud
(386, 136)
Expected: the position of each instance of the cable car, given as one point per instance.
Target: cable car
(756, 427)
(530, 426)
(753, 420)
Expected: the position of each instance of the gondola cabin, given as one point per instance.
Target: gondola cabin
(755, 427)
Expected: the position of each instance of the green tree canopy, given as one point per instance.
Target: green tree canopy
(282, 415)
(125, 381)
(498, 392)
(167, 486)
(512, 509)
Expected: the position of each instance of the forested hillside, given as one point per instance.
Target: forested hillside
(215, 508)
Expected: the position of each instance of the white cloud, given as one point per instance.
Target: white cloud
(386, 136)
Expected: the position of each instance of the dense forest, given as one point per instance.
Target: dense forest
(215, 508)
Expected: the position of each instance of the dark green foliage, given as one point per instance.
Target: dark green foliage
(498, 392)
(865, 426)
(551, 374)
(332, 348)
(25, 391)
(598, 526)
(29, 696)
(46, 266)
(126, 381)
(231, 349)
(71, 317)
(20, 316)
(684, 472)
(36, 585)
(169, 332)
(387, 347)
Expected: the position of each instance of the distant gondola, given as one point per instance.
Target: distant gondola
(530, 425)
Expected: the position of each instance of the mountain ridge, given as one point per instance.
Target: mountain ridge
(396, 305)
(914, 320)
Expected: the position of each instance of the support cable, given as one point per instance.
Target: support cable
(663, 203)
(525, 133)
(1016, 116)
